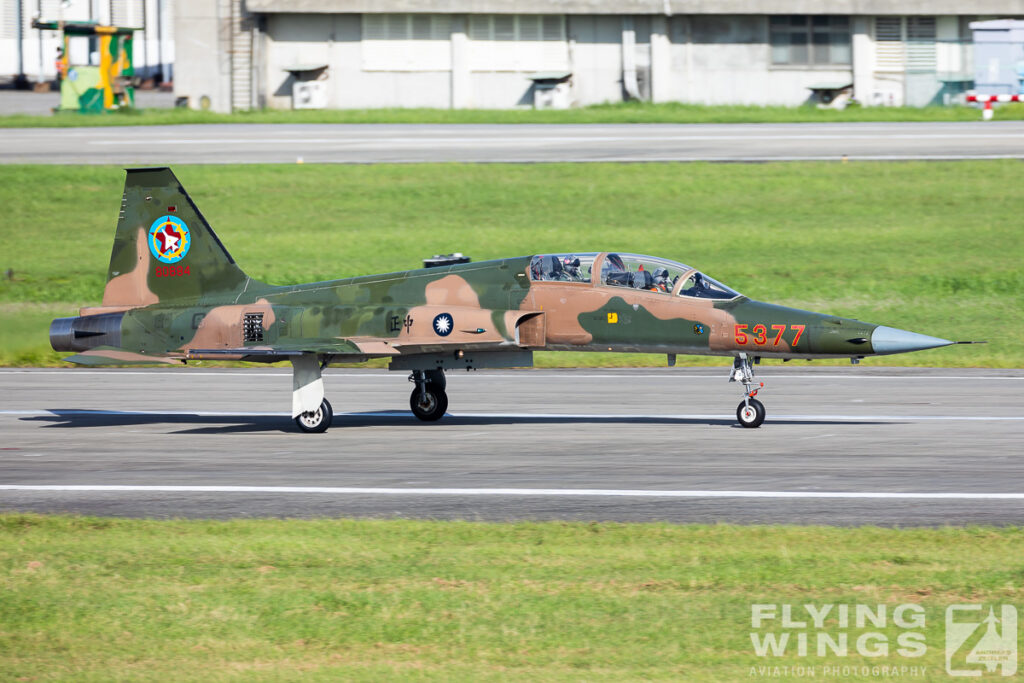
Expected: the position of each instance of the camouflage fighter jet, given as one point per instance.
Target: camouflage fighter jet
(174, 294)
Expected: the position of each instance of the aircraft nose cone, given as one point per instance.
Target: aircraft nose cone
(890, 340)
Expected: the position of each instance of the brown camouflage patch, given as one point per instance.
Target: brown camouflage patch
(453, 295)
(132, 288)
(222, 326)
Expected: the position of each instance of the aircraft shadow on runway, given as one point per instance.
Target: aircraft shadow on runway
(225, 424)
(220, 424)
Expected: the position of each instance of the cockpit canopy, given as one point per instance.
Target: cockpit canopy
(647, 273)
(562, 267)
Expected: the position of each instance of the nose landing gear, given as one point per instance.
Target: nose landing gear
(428, 400)
(750, 412)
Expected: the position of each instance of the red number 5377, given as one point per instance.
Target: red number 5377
(760, 335)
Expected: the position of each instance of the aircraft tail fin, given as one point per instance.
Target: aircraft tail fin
(164, 249)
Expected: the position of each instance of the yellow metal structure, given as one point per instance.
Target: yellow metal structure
(94, 88)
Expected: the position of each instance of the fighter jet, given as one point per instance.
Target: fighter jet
(174, 294)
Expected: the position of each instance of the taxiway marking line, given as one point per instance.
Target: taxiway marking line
(530, 416)
(471, 140)
(386, 491)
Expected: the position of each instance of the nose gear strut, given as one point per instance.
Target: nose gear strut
(750, 412)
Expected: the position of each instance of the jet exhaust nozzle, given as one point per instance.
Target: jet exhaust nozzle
(84, 333)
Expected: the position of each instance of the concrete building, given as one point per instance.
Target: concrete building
(31, 54)
(493, 53)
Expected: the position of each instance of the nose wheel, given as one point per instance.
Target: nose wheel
(317, 421)
(750, 412)
(428, 400)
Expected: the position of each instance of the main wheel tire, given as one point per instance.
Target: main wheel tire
(318, 421)
(750, 414)
(430, 404)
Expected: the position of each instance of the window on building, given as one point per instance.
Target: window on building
(406, 42)
(921, 54)
(518, 42)
(517, 27)
(905, 43)
(802, 40)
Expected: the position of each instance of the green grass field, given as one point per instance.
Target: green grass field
(631, 112)
(99, 599)
(930, 247)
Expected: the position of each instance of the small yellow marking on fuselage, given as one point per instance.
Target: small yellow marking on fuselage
(613, 318)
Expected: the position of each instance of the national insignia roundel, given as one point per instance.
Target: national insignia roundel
(169, 239)
(443, 324)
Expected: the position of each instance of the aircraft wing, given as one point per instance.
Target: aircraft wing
(326, 346)
(365, 346)
(110, 355)
(442, 347)
(346, 346)
(356, 347)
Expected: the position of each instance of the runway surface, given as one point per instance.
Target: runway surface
(385, 143)
(840, 446)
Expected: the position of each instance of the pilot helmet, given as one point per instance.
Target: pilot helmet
(613, 262)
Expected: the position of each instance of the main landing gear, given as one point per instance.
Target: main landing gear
(310, 410)
(428, 400)
(750, 411)
(318, 421)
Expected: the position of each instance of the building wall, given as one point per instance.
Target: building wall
(711, 60)
(202, 67)
(355, 81)
(595, 48)
(727, 60)
(448, 60)
(307, 39)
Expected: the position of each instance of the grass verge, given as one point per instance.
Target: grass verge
(929, 247)
(605, 113)
(101, 599)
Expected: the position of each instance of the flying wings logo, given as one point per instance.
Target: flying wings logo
(978, 644)
(443, 324)
(169, 239)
